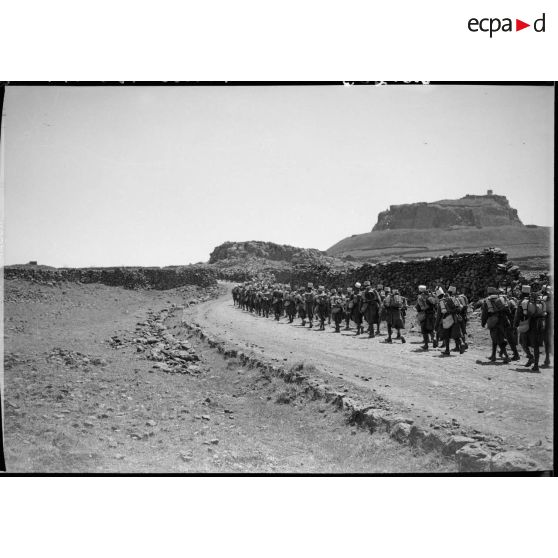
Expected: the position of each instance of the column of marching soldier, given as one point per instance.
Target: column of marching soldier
(514, 318)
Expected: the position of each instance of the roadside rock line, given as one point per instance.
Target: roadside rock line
(469, 453)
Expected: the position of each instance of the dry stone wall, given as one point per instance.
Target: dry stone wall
(131, 278)
(470, 273)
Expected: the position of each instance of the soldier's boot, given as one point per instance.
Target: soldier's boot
(399, 336)
(434, 341)
(337, 330)
(303, 323)
(515, 353)
(546, 362)
(492, 357)
(371, 332)
(425, 339)
(505, 356)
(459, 346)
(388, 340)
(446, 344)
(310, 324)
(535, 368)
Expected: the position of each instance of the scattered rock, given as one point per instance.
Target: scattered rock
(472, 458)
(513, 461)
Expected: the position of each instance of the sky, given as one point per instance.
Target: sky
(102, 176)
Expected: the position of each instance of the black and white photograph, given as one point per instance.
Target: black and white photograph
(251, 278)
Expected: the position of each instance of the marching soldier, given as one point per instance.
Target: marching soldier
(290, 306)
(348, 306)
(548, 326)
(462, 303)
(522, 328)
(394, 305)
(494, 315)
(300, 306)
(356, 314)
(530, 318)
(321, 301)
(371, 308)
(309, 304)
(337, 303)
(447, 321)
(426, 315)
(277, 302)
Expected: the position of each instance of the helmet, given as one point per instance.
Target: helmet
(440, 291)
(422, 288)
(367, 283)
(387, 289)
(310, 284)
(491, 290)
(452, 289)
(380, 287)
(357, 285)
(526, 289)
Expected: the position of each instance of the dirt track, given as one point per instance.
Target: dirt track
(506, 401)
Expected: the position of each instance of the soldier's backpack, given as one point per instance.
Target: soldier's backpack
(451, 304)
(495, 303)
(533, 309)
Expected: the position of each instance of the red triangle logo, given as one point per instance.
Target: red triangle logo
(519, 25)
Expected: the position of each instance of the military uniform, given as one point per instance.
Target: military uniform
(531, 314)
(337, 304)
(355, 307)
(495, 316)
(548, 325)
(321, 300)
(348, 307)
(290, 305)
(394, 305)
(277, 302)
(426, 315)
(371, 309)
(448, 320)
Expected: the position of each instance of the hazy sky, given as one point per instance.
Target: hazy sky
(161, 175)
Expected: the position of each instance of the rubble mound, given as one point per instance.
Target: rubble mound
(264, 250)
(488, 210)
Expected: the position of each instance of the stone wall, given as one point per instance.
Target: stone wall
(129, 277)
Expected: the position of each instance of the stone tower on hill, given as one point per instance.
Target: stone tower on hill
(488, 210)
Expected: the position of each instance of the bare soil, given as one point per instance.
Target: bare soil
(80, 397)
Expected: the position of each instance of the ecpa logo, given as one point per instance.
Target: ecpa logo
(493, 25)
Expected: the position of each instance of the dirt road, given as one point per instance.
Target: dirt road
(506, 401)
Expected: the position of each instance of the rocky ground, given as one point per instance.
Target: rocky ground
(104, 379)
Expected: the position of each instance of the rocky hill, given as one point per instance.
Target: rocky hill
(489, 210)
(264, 250)
(469, 224)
